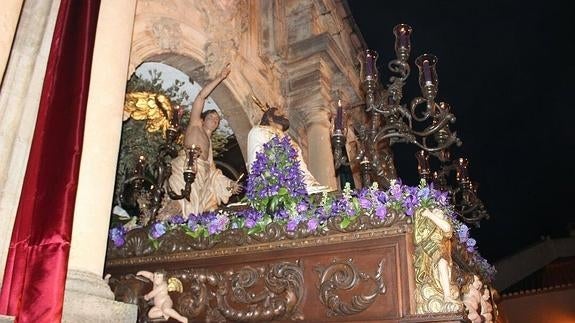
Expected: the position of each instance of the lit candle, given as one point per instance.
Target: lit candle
(369, 66)
(176, 117)
(339, 116)
(427, 73)
(404, 32)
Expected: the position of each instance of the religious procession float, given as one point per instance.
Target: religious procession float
(357, 255)
(384, 252)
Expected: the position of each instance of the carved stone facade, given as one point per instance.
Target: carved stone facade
(299, 55)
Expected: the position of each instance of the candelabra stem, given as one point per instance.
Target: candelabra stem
(338, 144)
(365, 168)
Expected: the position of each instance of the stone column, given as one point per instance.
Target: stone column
(320, 162)
(311, 73)
(19, 100)
(8, 23)
(87, 297)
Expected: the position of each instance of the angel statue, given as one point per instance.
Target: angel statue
(159, 294)
(155, 108)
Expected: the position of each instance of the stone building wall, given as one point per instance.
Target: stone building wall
(296, 54)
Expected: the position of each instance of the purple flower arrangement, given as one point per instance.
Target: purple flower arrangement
(275, 188)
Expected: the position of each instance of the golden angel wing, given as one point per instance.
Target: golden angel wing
(156, 109)
(175, 284)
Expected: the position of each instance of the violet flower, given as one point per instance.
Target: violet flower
(118, 236)
(157, 230)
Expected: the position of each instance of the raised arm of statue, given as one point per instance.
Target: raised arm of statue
(200, 100)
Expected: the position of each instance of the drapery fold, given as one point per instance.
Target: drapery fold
(35, 275)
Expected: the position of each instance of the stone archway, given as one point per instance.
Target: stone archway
(190, 36)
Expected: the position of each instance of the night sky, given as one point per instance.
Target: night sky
(506, 68)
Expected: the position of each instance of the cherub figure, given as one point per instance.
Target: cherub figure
(486, 307)
(162, 301)
(472, 300)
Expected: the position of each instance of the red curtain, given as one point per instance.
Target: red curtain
(35, 275)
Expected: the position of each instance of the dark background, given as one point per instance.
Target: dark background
(506, 68)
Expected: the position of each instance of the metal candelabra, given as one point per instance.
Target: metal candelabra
(389, 121)
(154, 184)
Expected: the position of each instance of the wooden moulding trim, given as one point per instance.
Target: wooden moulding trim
(264, 247)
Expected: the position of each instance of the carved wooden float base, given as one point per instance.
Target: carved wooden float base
(364, 276)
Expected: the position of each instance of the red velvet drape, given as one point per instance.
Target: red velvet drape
(35, 276)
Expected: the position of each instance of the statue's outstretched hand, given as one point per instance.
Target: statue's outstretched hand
(225, 71)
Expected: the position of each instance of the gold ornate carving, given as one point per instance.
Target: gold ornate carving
(175, 285)
(343, 275)
(435, 289)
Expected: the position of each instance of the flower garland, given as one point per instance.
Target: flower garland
(276, 192)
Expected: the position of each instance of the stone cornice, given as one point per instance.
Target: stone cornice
(323, 44)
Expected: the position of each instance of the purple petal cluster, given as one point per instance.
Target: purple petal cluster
(219, 224)
(251, 217)
(158, 229)
(176, 219)
(462, 233)
(342, 206)
(276, 166)
(118, 236)
(213, 222)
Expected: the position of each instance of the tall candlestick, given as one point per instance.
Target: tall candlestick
(176, 117)
(339, 116)
(402, 32)
(427, 73)
(422, 163)
(461, 173)
(191, 155)
(370, 73)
